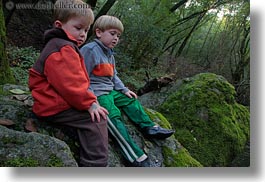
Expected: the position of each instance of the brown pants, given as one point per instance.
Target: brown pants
(93, 136)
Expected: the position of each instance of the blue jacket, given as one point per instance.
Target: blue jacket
(100, 65)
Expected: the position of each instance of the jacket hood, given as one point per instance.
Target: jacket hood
(57, 33)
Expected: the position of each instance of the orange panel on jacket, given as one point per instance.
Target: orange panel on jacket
(105, 69)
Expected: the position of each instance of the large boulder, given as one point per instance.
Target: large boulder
(209, 123)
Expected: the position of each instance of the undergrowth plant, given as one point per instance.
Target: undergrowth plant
(20, 60)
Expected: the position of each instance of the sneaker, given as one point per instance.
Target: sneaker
(145, 163)
(158, 132)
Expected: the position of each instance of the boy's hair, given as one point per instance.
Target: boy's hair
(106, 22)
(67, 9)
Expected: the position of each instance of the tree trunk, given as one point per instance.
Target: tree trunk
(182, 46)
(244, 59)
(177, 5)
(5, 72)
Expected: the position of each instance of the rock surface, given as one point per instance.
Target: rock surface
(211, 128)
(160, 152)
(22, 149)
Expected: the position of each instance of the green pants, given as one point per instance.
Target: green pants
(114, 102)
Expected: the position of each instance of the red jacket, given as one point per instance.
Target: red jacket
(58, 79)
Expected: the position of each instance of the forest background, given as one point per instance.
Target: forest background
(255, 172)
(161, 37)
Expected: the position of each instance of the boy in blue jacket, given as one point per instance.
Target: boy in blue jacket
(112, 93)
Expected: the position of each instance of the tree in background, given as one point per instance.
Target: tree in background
(5, 72)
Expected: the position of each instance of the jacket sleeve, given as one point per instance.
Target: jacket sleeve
(89, 60)
(65, 71)
(118, 84)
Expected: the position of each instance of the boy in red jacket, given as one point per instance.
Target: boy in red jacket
(59, 82)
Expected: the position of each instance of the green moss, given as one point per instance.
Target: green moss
(158, 118)
(2, 92)
(207, 119)
(54, 161)
(21, 162)
(10, 140)
(181, 158)
(29, 162)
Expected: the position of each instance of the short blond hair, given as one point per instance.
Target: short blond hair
(67, 9)
(106, 22)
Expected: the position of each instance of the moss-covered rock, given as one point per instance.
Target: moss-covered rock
(208, 121)
(20, 149)
(182, 158)
(158, 118)
(174, 154)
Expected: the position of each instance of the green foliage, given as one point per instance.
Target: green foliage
(214, 35)
(142, 37)
(150, 28)
(21, 59)
(210, 124)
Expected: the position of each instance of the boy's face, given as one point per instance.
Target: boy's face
(76, 27)
(109, 38)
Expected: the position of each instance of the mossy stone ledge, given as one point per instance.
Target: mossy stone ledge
(209, 122)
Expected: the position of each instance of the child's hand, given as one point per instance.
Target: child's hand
(131, 94)
(96, 111)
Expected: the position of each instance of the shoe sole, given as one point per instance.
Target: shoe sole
(160, 135)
